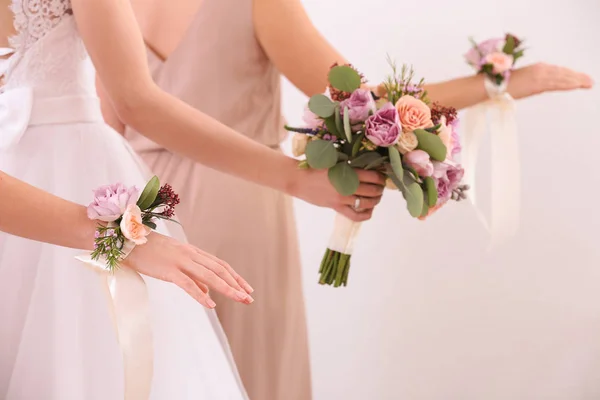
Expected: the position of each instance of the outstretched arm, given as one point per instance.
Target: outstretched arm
(113, 39)
(34, 214)
(304, 56)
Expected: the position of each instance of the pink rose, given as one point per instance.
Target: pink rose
(360, 105)
(456, 147)
(110, 202)
(383, 128)
(311, 120)
(420, 161)
(132, 226)
(414, 114)
(447, 177)
(501, 62)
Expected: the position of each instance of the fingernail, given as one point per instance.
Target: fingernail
(249, 288)
(241, 296)
(211, 303)
(250, 300)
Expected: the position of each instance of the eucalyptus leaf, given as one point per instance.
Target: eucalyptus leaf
(377, 163)
(356, 145)
(321, 154)
(365, 159)
(414, 199)
(342, 156)
(344, 78)
(321, 105)
(149, 193)
(431, 190)
(339, 124)
(347, 127)
(425, 210)
(344, 179)
(431, 144)
(410, 169)
(396, 162)
(399, 184)
(332, 128)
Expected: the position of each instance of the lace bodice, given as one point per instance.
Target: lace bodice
(49, 54)
(35, 18)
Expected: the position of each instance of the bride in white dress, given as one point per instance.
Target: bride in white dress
(56, 337)
(57, 341)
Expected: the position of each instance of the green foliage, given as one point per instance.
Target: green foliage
(321, 154)
(321, 105)
(344, 78)
(344, 178)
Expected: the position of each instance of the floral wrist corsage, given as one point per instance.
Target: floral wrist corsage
(129, 217)
(495, 58)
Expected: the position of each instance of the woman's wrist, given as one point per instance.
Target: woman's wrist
(290, 176)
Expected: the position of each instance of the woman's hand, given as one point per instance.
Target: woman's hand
(541, 77)
(188, 267)
(314, 187)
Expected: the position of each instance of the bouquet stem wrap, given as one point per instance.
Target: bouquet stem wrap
(127, 296)
(496, 116)
(335, 265)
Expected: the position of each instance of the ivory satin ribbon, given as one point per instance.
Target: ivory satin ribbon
(496, 116)
(129, 303)
(344, 234)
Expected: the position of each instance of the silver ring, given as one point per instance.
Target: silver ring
(356, 203)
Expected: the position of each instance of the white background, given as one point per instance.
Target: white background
(428, 314)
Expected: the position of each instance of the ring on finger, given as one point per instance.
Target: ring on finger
(356, 205)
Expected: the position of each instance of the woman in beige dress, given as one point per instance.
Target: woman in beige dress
(226, 58)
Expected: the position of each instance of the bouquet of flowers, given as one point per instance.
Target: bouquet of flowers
(129, 216)
(399, 133)
(495, 57)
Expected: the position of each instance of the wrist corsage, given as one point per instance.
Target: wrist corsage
(495, 58)
(125, 219)
(496, 118)
(128, 216)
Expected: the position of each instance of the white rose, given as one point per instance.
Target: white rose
(299, 142)
(408, 142)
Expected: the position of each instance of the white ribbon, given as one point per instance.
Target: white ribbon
(128, 298)
(15, 112)
(497, 115)
(344, 235)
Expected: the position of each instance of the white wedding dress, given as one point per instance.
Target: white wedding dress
(57, 341)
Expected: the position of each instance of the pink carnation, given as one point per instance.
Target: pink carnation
(111, 201)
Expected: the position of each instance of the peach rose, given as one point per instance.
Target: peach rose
(502, 62)
(408, 142)
(445, 133)
(132, 226)
(414, 114)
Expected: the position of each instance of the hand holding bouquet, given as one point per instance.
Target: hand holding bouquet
(399, 134)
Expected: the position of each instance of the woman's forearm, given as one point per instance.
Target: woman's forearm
(458, 93)
(208, 141)
(31, 213)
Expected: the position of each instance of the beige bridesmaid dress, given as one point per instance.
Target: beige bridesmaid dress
(220, 68)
